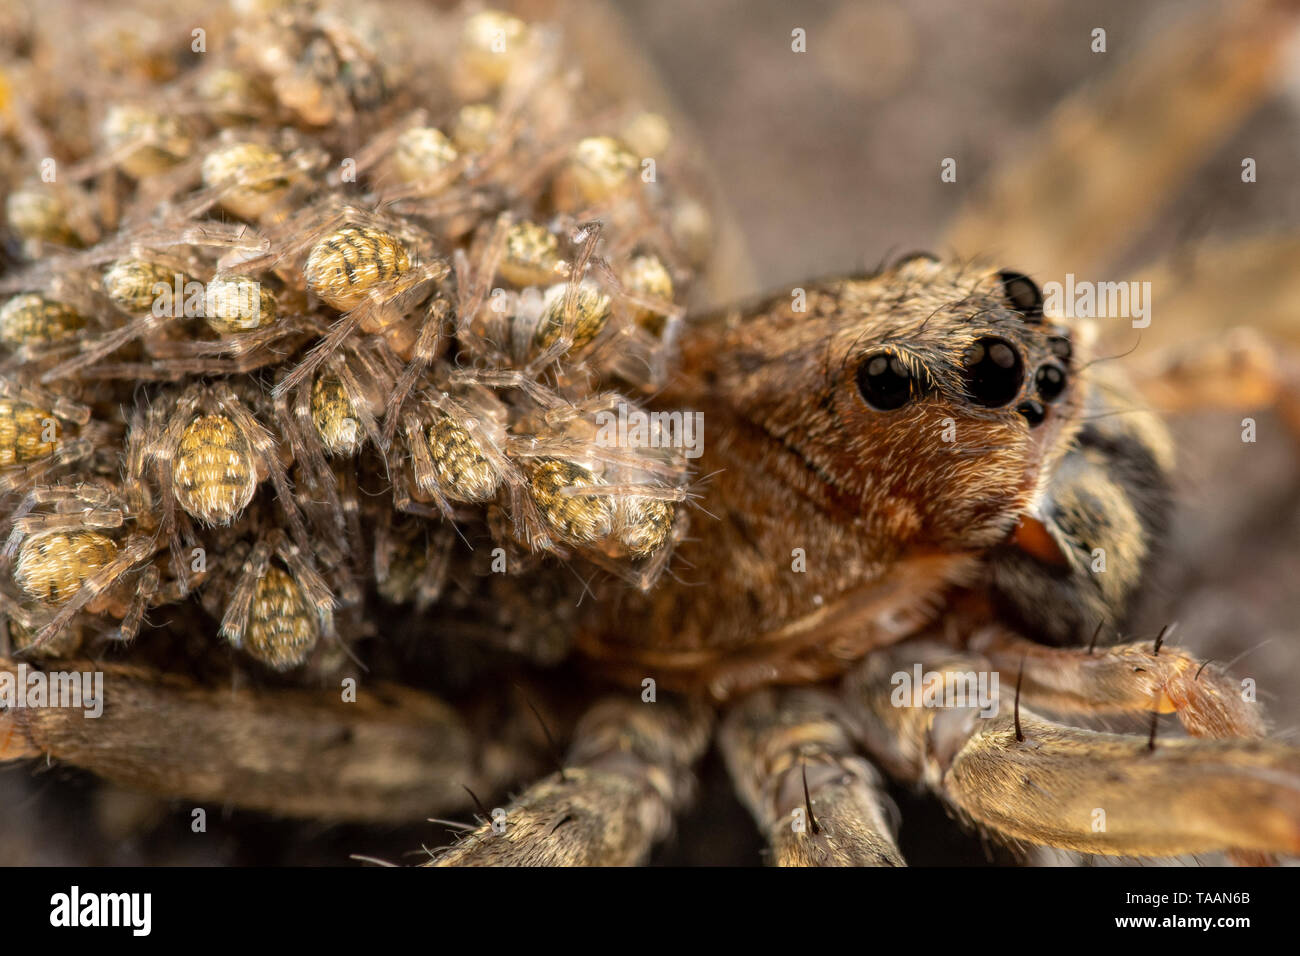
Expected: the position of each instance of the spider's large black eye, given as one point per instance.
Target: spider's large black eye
(993, 371)
(1023, 294)
(885, 382)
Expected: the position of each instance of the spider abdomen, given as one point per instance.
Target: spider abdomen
(52, 566)
(213, 477)
(282, 627)
(344, 266)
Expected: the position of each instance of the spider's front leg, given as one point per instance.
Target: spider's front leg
(1131, 678)
(797, 769)
(1034, 780)
(627, 772)
(1248, 369)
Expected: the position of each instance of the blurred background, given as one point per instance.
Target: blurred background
(828, 161)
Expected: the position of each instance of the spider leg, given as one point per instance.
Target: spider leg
(301, 374)
(797, 769)
(1030, 779)
(34, 472)
(1240, 369)
(357, 395)
(134, 550)
(437, 319)
(23, 522)
(239, 604)
(393, 755)
(146, 589)
(161, 435)
(404, 500)
(1131, 678)
(306, 446)
(95, 349)
(506, 378)
(91, 518)
(627, 771)
(13, 610)
(1126, 679)
(422, 472)
(230, 356)
(61, 406)
(264, 444)
(433, 578)
(313, 585)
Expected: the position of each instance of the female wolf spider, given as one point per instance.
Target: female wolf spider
(910, 471)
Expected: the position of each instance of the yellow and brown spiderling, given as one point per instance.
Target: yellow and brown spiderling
(53, 566)
(282, 627)
(33, 319)
(213, 476)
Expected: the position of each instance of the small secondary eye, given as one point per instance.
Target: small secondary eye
(1023, 293)
(1033, 411)
(885, 382)
(1049, 380)
(1060, 347)
(993, 372)
(917, 256)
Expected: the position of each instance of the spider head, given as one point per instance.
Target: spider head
(963, 384)
(924, 406)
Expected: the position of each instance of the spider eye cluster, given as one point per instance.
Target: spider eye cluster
(992, 372)
(992, 369)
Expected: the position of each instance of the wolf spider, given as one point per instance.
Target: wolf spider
(62, 560)
(207, 454)
(276, 615)
(913, 470)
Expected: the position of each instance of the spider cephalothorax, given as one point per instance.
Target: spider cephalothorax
(909, 424)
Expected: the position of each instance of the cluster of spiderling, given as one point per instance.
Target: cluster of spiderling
(309, 294)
